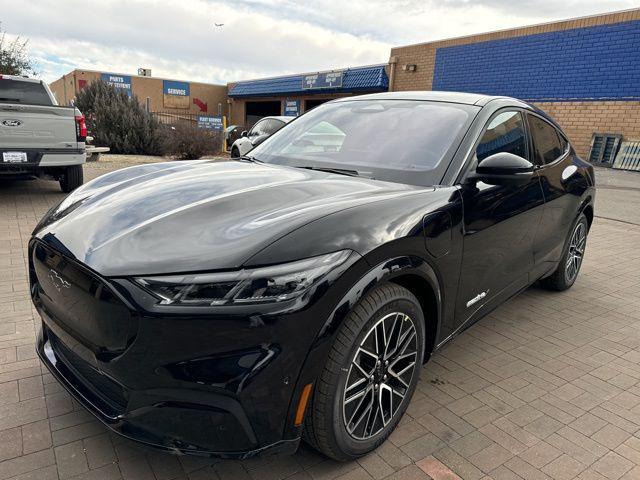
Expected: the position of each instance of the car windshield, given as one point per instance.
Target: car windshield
(404, 141)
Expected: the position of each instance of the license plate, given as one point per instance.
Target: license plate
(14, 157)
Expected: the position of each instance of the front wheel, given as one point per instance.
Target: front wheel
(235, 153)
(370, 375)
(567, 271)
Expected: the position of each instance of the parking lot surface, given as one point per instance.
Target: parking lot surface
(546, 387)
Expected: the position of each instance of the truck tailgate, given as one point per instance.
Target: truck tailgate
(37, 127)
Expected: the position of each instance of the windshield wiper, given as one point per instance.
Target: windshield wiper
(248, 158)
(339, 171)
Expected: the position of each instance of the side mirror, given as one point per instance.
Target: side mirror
(259, 139)
(504, 169)
(244, 133)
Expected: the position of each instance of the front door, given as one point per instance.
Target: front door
(500, 223)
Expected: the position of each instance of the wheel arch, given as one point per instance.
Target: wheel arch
(429, 302)
(409, 271)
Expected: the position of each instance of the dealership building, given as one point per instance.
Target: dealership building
(156, 94)
(295, 94)
(585, 72)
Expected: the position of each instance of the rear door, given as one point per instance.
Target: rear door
(30, 120)
(555, 160)
(500, 222)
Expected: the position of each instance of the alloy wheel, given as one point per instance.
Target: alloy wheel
(576, 251)
(380, 374)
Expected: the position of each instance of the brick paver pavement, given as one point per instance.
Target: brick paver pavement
(548, 386)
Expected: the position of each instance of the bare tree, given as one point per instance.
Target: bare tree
(14, 59)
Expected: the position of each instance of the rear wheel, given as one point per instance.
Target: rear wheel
(71, 179)
(567, 271)
(370, 376)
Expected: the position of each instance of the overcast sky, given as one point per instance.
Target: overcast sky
(178, 39)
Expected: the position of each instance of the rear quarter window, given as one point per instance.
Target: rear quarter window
(29, 93)
(548, 145)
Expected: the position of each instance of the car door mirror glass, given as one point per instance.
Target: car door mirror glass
(244, 133)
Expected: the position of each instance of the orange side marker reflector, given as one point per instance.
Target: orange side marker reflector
(302, 404)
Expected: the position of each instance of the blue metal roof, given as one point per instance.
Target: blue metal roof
(361, 79)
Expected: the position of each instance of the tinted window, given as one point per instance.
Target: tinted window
(386, 139)
(30, 93)
(505, 133)
(546, 142)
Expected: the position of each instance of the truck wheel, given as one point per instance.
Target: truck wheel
(71, 179)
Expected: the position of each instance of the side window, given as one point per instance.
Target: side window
(257, 129)
(273, 126)
(505, 133)
(548, 146)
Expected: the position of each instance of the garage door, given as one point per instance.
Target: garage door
(257, 110)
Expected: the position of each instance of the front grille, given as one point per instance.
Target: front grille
(95, 381)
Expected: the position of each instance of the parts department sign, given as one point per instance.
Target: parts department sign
(291, 108)
(176, 94)
(120, 82)
(210, 122)
(322, 80)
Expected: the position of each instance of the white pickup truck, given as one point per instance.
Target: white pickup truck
(38, 137)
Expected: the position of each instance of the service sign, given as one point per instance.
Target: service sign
(121, 82)
(322, 80)
(176, 94)
(291, 108)
(210, 122)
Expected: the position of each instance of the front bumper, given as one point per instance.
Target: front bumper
(222, 383)
(162, 424)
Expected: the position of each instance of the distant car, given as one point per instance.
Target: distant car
(37, 136)
(262, 130)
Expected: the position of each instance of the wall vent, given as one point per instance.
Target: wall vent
(604, 147)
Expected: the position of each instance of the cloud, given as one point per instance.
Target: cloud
(178, 39)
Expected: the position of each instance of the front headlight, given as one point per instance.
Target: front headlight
(267, 284)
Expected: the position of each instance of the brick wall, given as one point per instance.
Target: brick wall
(65, 89)
(604, 37)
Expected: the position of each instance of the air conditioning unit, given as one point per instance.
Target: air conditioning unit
(144, 72)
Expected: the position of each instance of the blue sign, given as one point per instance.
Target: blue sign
(121, 82)
(291, 108)
(179, 89)
(322, 80)
(209, 122)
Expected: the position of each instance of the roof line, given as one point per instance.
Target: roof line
(138, 76)
(309, 73)
(510, 29)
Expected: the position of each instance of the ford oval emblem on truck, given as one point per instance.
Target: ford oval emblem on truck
(11, 123)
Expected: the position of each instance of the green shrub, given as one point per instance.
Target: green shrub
(118, 121)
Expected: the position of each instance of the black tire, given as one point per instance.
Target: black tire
(325, 423)
(235, 153)
(564, 277)
(71, 179)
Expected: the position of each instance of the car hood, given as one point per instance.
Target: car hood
(196, 216)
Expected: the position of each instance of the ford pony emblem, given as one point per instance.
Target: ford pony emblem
(11, 123)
